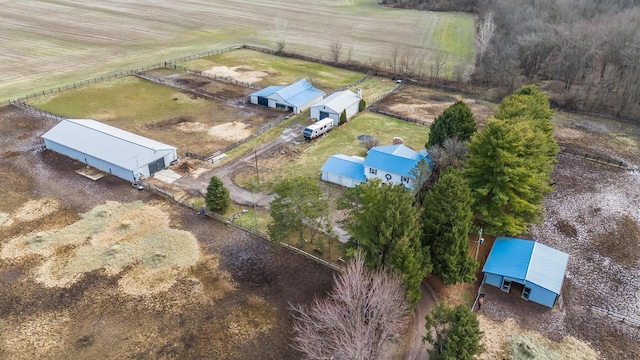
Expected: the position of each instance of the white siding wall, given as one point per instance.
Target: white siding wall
(386, 177)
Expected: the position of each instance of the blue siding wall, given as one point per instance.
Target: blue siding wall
(541, 295)
(493, 279)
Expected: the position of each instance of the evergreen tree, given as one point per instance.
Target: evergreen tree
(508, 173)
(362, 105)
(457, 333)
(456, 120)
(343, 117)
(300, 205)
(383, 223)
(446, 223)
(217, 198)
(531, 104)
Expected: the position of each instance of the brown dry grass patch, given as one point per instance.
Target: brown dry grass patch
(621, 242)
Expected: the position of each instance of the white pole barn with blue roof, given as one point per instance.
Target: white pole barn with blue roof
(539, 268)
(107, 148)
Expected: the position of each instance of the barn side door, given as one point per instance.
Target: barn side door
(156, 166)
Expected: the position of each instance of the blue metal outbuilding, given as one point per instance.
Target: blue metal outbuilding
(539, 268)
(298, 96)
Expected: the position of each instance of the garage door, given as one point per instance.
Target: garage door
(156, 166)
(263, 101)
(323, 114)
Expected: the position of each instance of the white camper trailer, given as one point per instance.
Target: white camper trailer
(318, 128)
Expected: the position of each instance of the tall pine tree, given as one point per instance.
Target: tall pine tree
(446, 223)
(457, 333)
(508, 174)
(217, 198)
(456, 120)
(384, 225)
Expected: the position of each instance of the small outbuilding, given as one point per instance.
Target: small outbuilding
(333, 105)
(344, 170)
(107, 148)
(537, 267)
(296, 97)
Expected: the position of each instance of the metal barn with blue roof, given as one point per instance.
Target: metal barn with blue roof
(298, 96)
(539, 268)
(107, 148)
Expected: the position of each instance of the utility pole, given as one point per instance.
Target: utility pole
(480, 241)
(255, 209)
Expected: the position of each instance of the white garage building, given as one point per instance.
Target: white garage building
(333, 106)
(107, 148)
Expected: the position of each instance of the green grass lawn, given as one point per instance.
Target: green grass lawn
(374, 87)
(125, 102)
(278, 70)
(344, 139)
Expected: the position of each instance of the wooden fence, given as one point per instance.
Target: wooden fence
(248, 229)
(595, 158)
(211, 75)
(36, 111)
(119, 74)
(399, 117)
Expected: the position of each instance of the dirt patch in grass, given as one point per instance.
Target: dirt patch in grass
(233, 131)
(427, 104)
(240, 73)
(621, 241)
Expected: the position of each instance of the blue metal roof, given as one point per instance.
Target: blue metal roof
(345, 165)
(528, 261)
(269, 90)
(299, 93)
(117, 146)
(397, 159)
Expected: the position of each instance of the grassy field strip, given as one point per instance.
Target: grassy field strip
(344, 140)
(51, 43)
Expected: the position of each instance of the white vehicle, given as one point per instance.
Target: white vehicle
(318, 128)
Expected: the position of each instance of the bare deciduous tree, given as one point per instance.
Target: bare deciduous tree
(336, 49)
(437, 63)
(356, 319)
(485, 32)
(280, 26)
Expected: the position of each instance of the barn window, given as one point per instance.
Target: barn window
(405, 179)
(506, 285)
(373, 171)
(526, 292)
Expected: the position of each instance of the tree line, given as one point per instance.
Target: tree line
(585, 54)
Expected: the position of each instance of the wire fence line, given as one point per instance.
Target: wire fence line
(177, 85)
(621, 318)
(260, 234)
(399, 117)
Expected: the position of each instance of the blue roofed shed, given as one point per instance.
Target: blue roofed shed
(539, 268)
(344, 170)
(298, 96)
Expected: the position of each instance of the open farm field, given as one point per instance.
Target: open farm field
(97, 269)
(191, 123)
(47, 44)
